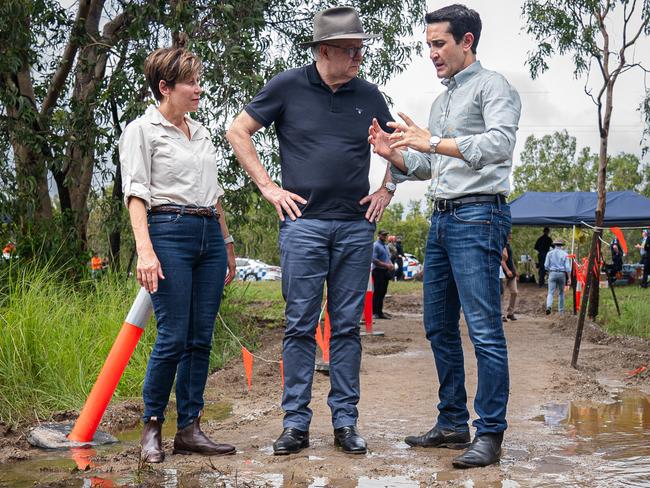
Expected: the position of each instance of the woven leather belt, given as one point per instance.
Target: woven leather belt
(444, 205)
(182, 209)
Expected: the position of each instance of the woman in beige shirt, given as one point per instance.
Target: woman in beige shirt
(169, 173)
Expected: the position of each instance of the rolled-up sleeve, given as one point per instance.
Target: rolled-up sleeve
(135, 162)
(501, 107)
(418, 167)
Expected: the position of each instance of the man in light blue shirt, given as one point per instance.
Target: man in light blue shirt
(558, 266)
(466, 151)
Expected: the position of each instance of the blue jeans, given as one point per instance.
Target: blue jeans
(314, 252)
(556, 281)
(461, 269)
(193, 258)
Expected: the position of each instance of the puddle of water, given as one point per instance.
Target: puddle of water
(211, 411)
(618, 433)
(71, 465)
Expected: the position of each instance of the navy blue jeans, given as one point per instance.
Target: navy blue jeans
(461, 269)
(314, 252)
(193, 258)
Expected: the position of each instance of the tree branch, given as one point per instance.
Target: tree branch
(67, 59)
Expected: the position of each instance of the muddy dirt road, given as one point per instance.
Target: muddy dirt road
(584, 428)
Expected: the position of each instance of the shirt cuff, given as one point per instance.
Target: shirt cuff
(471, 152)
(132, 189)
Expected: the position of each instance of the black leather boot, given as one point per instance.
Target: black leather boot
(437, 437)
(485, 450)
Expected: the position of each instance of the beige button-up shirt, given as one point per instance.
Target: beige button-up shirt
(162, 166)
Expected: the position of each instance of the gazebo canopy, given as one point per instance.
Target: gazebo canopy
(566, 209)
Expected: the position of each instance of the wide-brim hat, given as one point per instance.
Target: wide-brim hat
(558, 242)
(337, 23)
(382, 233)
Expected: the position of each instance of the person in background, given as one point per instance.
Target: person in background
(512, 275)
(558, 265)
(645, 260)
(399, 272)
(542, 246)
(382, 271)
(392, 250)
(641, 246)
(185, 252)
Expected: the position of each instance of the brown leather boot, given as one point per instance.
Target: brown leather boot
(152, 451)
(192, 440)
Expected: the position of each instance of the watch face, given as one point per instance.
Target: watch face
(391, 187)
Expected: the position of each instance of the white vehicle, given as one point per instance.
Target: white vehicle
(254, 270)
(411, 266)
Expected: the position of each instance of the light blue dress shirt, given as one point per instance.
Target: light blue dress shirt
(557, 260)
(480, 110)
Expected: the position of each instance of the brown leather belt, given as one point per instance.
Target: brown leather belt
(185, 210)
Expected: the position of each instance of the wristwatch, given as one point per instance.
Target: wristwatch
(229, 240)
(433, 143)
(390, 186)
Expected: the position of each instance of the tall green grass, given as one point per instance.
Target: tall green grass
(56, 334)
(634, 303)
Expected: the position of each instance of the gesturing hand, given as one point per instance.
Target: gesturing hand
(409, 135)
(379, 139)
(283, 200)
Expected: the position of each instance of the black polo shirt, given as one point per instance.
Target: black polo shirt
(323, 138)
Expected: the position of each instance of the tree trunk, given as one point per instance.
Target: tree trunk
(29, 154)
(75, 178)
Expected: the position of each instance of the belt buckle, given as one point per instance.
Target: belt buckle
(442, 207)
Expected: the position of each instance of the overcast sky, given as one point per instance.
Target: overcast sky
(554, 101)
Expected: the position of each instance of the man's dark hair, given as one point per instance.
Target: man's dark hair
(546, 230)
(461, 21)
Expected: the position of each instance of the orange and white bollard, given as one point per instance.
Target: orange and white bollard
(119, 356)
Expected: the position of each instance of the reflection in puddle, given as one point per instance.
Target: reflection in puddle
(617, 432)
(211, 412)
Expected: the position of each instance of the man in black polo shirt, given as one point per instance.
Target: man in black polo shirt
(321, 114)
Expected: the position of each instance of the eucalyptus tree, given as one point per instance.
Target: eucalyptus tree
(600, 36)
(71, 78)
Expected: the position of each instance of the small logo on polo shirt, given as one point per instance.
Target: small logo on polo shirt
(359, 110)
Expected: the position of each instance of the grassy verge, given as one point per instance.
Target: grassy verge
(634, 303)
(55, 336)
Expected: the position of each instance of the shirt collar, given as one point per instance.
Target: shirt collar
(153, 115)
(463, 75)
(315, 79)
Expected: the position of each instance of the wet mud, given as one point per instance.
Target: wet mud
(588, 427)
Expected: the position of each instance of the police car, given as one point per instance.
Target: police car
(411, 266)
(254, 270)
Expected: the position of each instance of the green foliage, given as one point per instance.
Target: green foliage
(550, 163)
(634, 306)
(412, 225)
(55, 336)
(242, 44)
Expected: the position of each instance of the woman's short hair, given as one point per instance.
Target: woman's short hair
(172, 64)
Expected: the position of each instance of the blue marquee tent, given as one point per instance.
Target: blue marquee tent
(566, 209)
